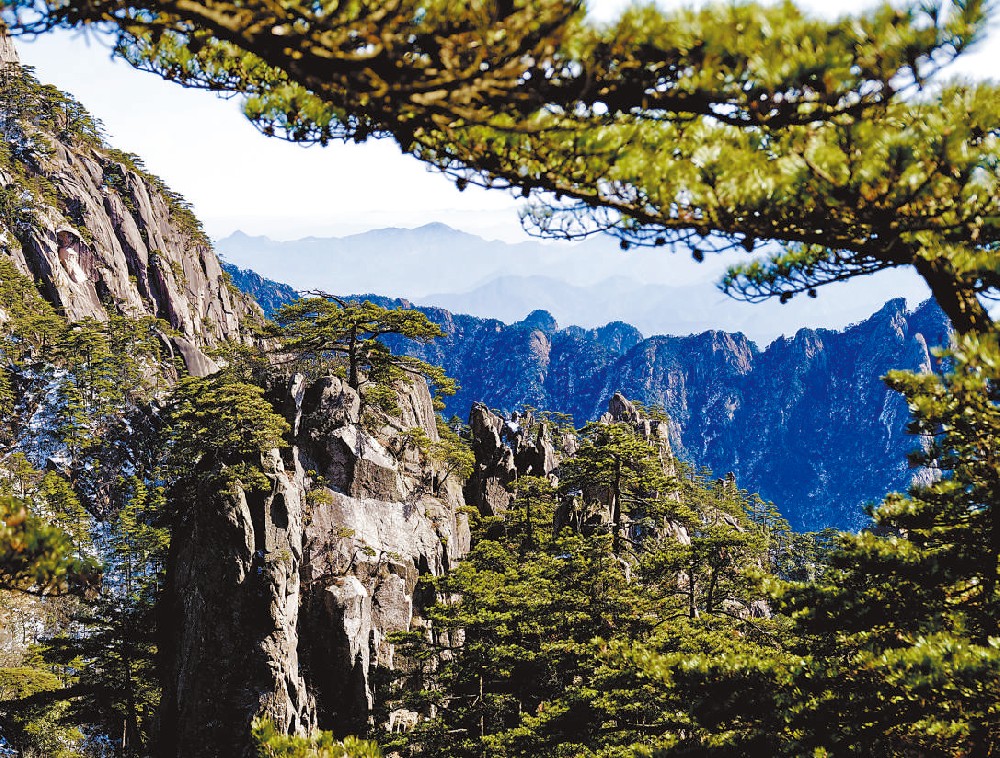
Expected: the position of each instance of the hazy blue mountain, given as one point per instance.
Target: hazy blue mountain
(270, 295)
(587, 284)
(807, 421)
(652, 308)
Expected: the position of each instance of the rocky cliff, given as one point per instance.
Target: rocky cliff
(282, 603)
(96, 231)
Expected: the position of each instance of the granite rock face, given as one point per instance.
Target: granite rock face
(97, 233)
(505, 449)
(283, 602)
(231, 610)
(376, 524)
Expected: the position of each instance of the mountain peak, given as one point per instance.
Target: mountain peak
(541, 320)
(241, 236)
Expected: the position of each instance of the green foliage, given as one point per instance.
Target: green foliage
(36, 729)
(451, 454)
(107, 648)
(448, 457)
(622, 474)
(33, 115)
(35, 556)
(893, 645)
(31, 328)
(52, 499)
(216, 430)
(531, 516)
(346, 336)
(914, 616)
(31, 108)
(920, 173)
(273, 744)
(114, 688)
(113, 369)
(241, 361)
(525, 655)
(502, 64)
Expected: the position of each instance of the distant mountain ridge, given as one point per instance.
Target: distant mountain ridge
(807, 421)
(269, 295)
(588, 283)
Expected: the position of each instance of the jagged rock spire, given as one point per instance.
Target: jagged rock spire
(8, 53)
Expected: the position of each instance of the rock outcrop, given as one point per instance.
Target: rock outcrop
(505, 449)
(284, 603)
(231, 611)
(375, 526)
(97, 232)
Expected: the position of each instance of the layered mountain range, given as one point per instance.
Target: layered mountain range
(805, 421)
(657, 290)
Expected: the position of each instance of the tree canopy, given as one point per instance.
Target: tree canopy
(35, 556)
(348, 335)
(520, 660)
(410, 67)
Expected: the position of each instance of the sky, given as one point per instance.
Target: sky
(205, 149)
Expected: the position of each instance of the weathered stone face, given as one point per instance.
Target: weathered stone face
(110, 237)
(283, 604)
(231, 615)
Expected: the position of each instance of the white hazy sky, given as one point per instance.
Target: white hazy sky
(237, 179)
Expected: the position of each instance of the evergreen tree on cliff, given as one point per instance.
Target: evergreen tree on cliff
(325, 331)
(520, 662)
(894, 648)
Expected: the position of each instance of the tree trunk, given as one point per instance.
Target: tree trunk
(352, 360)
(960, 303)
(616, 509)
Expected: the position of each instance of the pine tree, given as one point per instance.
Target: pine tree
(909, 622)
(216, 429)
(533, 642)
(272, 744)
(891, 647)
(36, 557)
(622, 473)
(347, 336)
(430, 74)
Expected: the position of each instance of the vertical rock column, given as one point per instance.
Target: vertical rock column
(231, 612)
